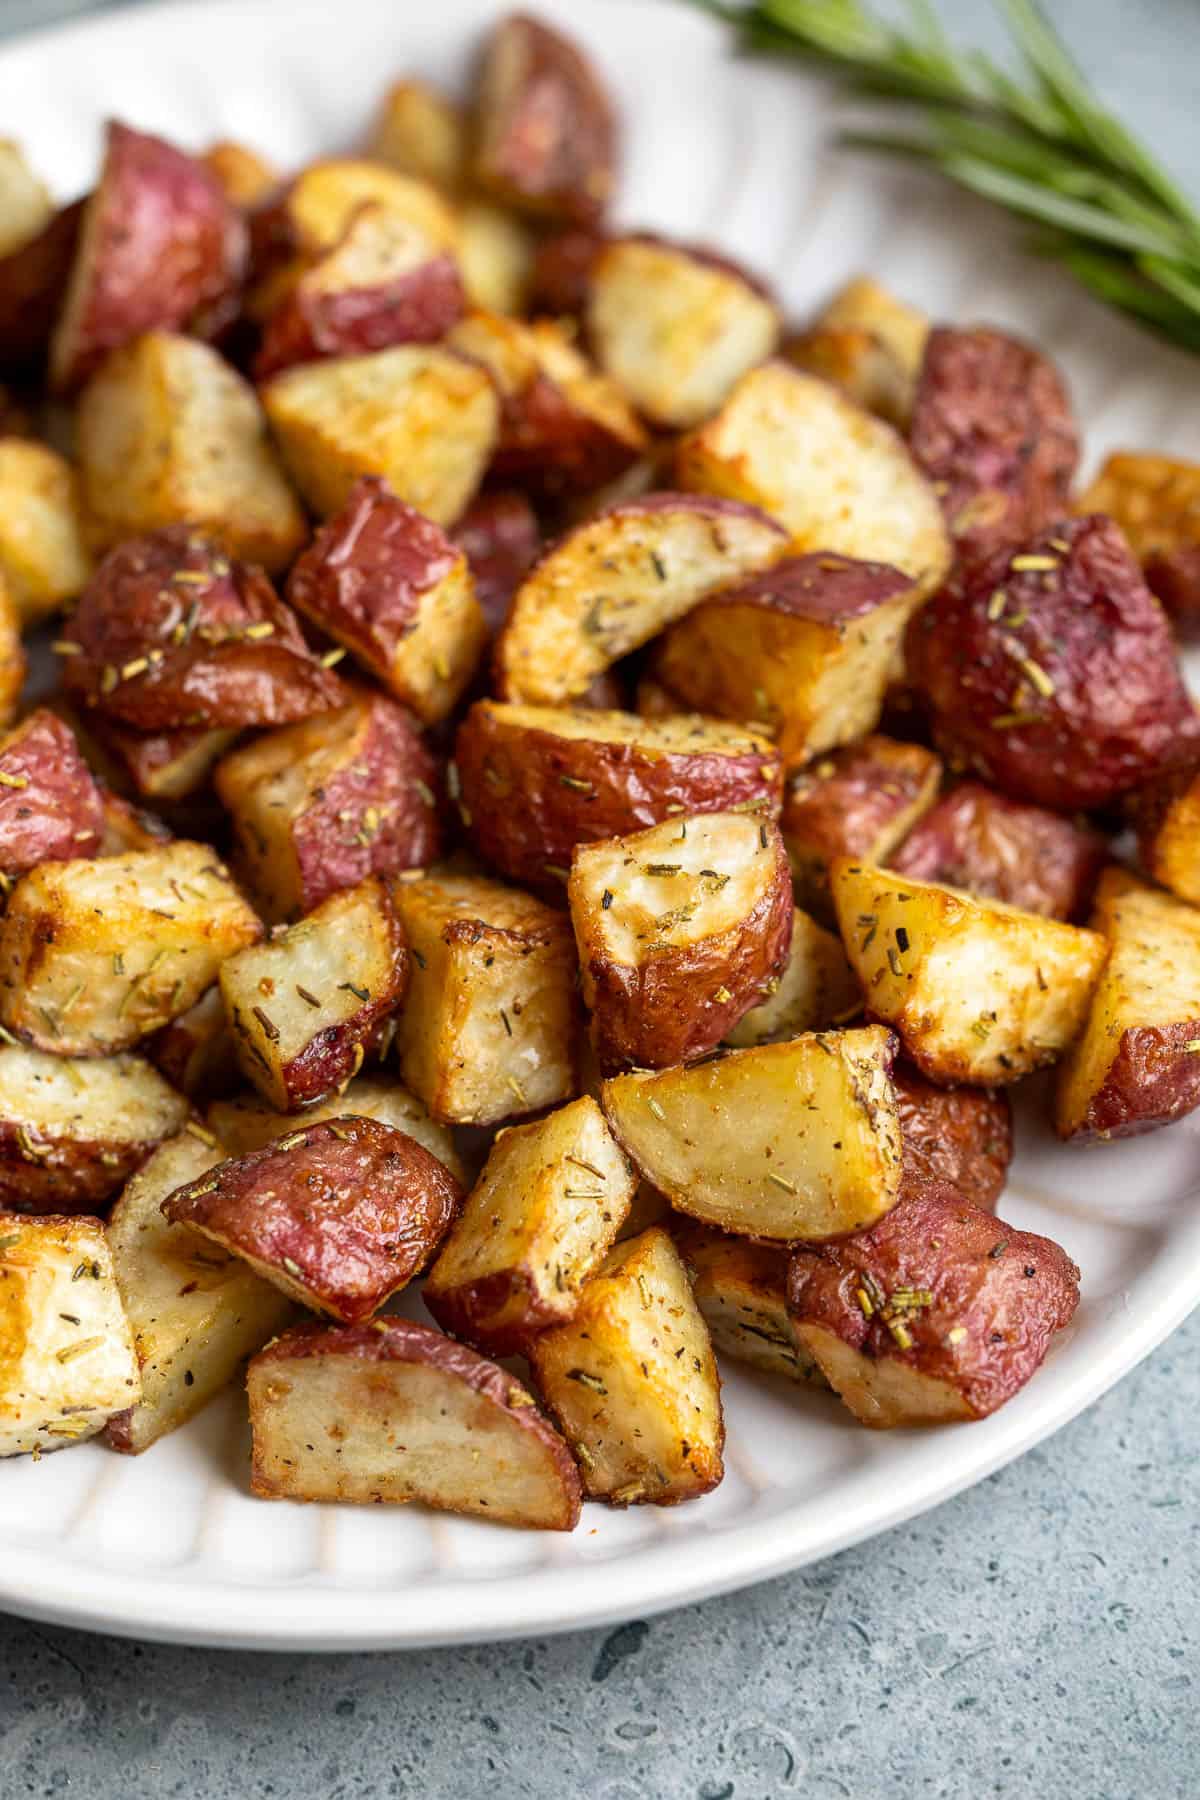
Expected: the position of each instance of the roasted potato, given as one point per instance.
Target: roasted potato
(340, 1215)
(196, 1051)
(840, 480)
(170, 434)
(938, 1314)
(67, 1361)
(978, 991)
(740, 1288)
(959, 1135)
(561, 276)
(473, 1439)
(632, 1380)
(1136, 1065)
(862, 304)
(614, 582)
(244, 176)
(248, 1123)
(500, 537)
(12, 656)
(320, 806)
(681, 930)
(541, 1218)
(127, 827)
(867, 343)
(675, 326)
(535, 781)
(95, 955)
(1052, 673)
(25, 204)
(195, 1313)
(747, 1142)
(490, 1026)
(1166, 815)
(804, 649)
(303, 1005)
(815, 989)
(974, 838)
(421, 132)
(1156, 502)
(51, 805)
(164, 765)
(43, 558)
(32, 278)
(392, 587)
(545, 132)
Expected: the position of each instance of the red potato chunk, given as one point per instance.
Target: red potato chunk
(1052, 673)
(196, 1051)
(1156, 502)
(959, 1135)
(340, 1215)
(51, 805)
(32, 278)
(500, 537)
(164, 765)
(937, 1314)
(561, 276)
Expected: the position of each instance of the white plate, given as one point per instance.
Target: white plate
(170, 1545)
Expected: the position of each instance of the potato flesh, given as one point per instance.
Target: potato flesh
(25, 204)
(789, 1141)
(325, 197)
(1170, 852)
(678, 734)
(42, 551)
(741, 1289)
(247, 1122)
(118, 1098)
(420, 132)
(979, 991)
(882, 1392)
(816, 989)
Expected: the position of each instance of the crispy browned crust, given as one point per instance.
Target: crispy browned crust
(962, 1136)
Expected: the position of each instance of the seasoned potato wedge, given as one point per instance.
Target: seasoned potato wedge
(196, 1051)
(614, 582)
(936, 1315)
(632, 1380)
(95, 955)
(127, 827)
(247, 1122)
(675, 326)
(320, 806)
(422, 132)
(164, 765)
(490, 1026)
(535, 781)
(741, 1290)
(51, 805)
(863, 304)
(501, 537)
(979, 991)
(869, 344)
(303, 1005)
(340, 1215)
(747, 1143)
(72, 1131)
(1156, 502)
(1136, 1065)
(314, 211)
(495, 253)
(804, 649)
(423, 418)
(840, 480)
(681, 930)
(433, 1422)
(195, 1314)
(541, 1218)
(816, 988)
(959, 1135)
(1166, 815)
(43, 557)
(244, 176)
(67, 1361)
(25, 204)
(170, 434)
(392, 587)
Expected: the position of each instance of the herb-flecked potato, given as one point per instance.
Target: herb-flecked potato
(959, 1135)
(1156, 502)
(1166, 817)
(390, 1412)
(681, 928)
(535, 781)
(196, 1051)
(247, 1123)
(979, 992)
(740, 1287)
(937, 1315)
(51, 805)
(500, 536)
(340, 1215)
(43, 557)
(815, 989)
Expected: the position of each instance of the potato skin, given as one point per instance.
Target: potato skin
(560, 280)
(1156, 502)
(992, 425)
(500, 537)
(1076, 700)
(960, 1136)
(856, 801)
(317, 319)
(32, 278)
(340, 1214)
(976, 839)
(51, 805)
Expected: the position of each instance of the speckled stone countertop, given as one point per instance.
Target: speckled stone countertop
(1035, 1637)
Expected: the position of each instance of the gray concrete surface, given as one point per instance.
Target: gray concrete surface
(1035, 1637)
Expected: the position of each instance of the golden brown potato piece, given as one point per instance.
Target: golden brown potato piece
(535, 781)
(979, 991)
(860, 801)
(939, 1314)
(67, 1361)
(959, 1135)
(495, 254)
(25, 204)
(1137, 1064)
(245, 178)
(12, 656)
(95, 955)
(501, 536)
(681, 930)
(803, 649)
(72, 1131)
(170, 434)
(196, 1051)
(869, 344)
(320, 806)
(127, 827)
(247, 1122)
(311, 214)
(676, 326)
(420, 131)
(1156, 502)
(863, 305)
(1166, 816)
(541, 1218)
(545, 131)
(303, 1005)
(490, 1026)
(815, 989)
(840, 480)
(52, 808)
(434, 1422)
(786, 1141)
(421, 417)
(195, 1314)
(42, 554)
(392, 587)
(164, 765)
(616, 581)
(741, 1290)
(633, 1382)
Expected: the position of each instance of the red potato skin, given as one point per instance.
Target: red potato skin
(500, 537)
(167, 250)
(961, 1137)
(562, 272)
(470, 1311)
(549, 444)
(1115, 713)
(32, 279)
(844, 803)
(992, 427)
(198, 623)
(312, 324)
(152, 761)
(51, 805)
(821, 586)
(350, 1213)
(1153, 1079)
(67, 1175)
(526, 808)
(1009, 1290)
(1174, 576)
